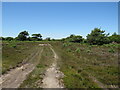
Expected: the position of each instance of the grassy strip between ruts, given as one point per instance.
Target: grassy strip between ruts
(35, 77)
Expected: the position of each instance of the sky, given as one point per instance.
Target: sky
(60, 0)
(58, 19)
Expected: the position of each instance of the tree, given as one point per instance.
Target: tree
(97, 37)
(48, 39)
(37, 37)
(2, 38)
(72, 35)
(9, 38)
(114, 38)
(74, 38)
(77, 39)
(53, 39)
(23, 36)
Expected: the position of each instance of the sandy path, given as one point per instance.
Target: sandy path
(16, 76)
(52, 75)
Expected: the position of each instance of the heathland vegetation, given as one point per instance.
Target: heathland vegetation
(85, 63)
(96, 37)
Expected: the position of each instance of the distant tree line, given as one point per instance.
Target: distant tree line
(24, 36)
(96, 37)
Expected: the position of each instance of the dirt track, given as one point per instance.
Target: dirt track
(53, 75)
(16, 76)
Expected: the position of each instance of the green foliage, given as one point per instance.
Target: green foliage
(84, 40)
(63, 39)
(23, 36)
(66, 44)
(75, 39)
(78, 50)
(115, 38)
(14, 46)
(97, 37)
(2, 38)
(9, 38)
(69, 50)
(48, 39)
(112, 45)
(14, 52)
(36, 37)
(111, 50)
(53, 39)
(88, 51)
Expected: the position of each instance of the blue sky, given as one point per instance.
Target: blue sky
(58, 20)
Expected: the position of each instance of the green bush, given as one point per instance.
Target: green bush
(97, 37)
(69, 50)
(78, 50)
(114, 38)
(88, 51)
(111, 50)
(14, 46)
(111, 45)
(66, 44)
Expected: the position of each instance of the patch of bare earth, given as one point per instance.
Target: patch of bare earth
(16, 76)
(52, 78)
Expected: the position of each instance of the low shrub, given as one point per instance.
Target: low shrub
(14, 46)
(69, 50)
(66, 44)
(78, 50)
(111, 50)
(88, 51)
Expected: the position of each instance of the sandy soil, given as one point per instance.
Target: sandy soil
(16, 76)
(52, 78)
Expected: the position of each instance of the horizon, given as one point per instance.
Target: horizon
(59, 19)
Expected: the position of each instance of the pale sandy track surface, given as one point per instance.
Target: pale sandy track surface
(15, 77)
(53, 75)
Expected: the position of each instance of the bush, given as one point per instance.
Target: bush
(79, 70)
(78, 50)
(88, 51)
(69, 50)
(97, 37)
(14, 46)
(115, 38)
(111, 45)
(9, 38)
(66, 44)
(111, 50)
(74, 38)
